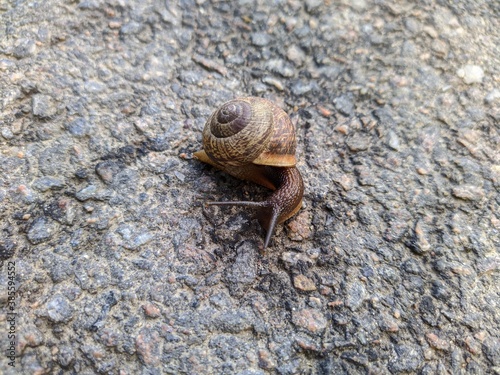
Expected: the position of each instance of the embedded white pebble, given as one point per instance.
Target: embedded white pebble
(471, 74)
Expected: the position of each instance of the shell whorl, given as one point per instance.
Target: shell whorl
(250, 130)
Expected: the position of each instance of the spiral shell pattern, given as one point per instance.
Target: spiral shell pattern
(250, 130)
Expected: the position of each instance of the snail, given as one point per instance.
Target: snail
(253, 139)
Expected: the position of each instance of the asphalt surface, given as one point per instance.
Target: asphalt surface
(112, 264)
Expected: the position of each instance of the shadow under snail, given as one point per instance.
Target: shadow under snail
(253, 139)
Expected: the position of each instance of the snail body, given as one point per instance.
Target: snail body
(253, 139)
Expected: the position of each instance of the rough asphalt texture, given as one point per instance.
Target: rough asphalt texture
(391, 267)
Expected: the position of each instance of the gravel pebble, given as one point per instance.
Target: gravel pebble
(436, 342)
(91, 192)
(24, 48)
(210, 64)
(265, 360)
(440, 47)
(355, 295)
(46, 183)
(468, 192)
(280, 67)
(492, 96)
(139, 240)
(148, 346)
(31, 337)
(41, 230)
(151, 310)
(65, 356)
(233, 321)
(303, 283)
(302, 87)
(43, 106)
(313, 5)
(107, 170)
(296, 55)
(79, 127)
(419, 242)
(7, 133)
(356, 358)
(408, 359)
(62, 210)
(491, 348)
(471, 74)
(292, 259)
(276, 83)
(299, 228)
(427, 310)
(393, 141)
(309, 319)
(180, 176)
(7, 248)
(344, 105)
(52, 161)
(358, 143)
(86, 193)
(59, 309)
(260, 39)
(242, 273)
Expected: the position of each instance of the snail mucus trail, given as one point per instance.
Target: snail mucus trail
(253, 139)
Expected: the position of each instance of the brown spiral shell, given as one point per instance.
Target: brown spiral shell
(250, 130)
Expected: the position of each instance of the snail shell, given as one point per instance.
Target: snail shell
(250, 130)
(253, 139)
